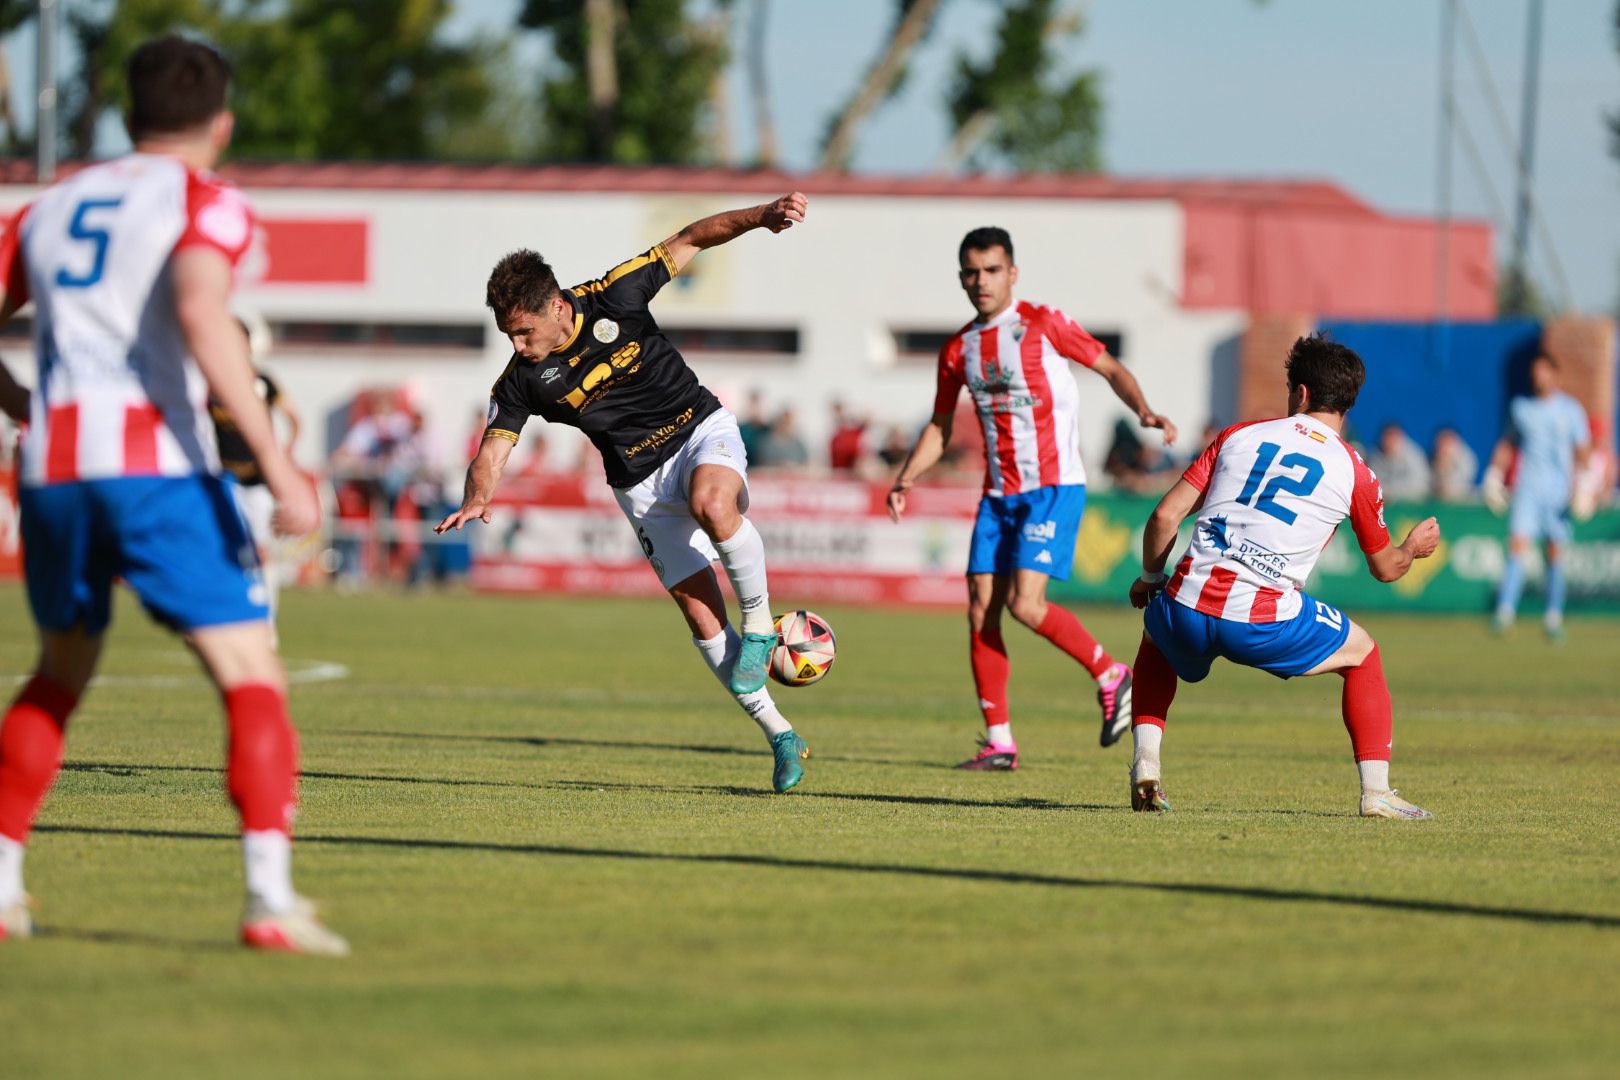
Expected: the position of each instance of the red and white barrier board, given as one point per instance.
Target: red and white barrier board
(826, 540)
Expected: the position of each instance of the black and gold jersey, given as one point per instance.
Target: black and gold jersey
(234, 455)
(616, 378)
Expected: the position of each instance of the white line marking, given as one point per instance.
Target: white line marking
(298, 672)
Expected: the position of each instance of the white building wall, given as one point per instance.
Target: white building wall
(858, 269)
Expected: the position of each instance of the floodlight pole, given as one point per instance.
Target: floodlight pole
(1518, 284)
(45, 102)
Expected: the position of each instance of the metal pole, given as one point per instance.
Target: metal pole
(45, 110)
(1518, 284)
(1442, 246)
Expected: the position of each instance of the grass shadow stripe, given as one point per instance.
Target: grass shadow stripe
(1003, 877)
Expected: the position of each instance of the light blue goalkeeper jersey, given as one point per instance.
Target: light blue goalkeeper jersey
(1547, 430)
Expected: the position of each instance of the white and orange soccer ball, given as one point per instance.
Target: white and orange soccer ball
(805, 648)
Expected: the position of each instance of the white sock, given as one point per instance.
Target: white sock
(999, 735)
(267, 862)
(11, 882)
(743, 556)
(1374, 775)
(1145, 759)
(720, 652)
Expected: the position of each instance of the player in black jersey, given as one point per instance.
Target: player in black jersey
(592, 357)
(253, 498)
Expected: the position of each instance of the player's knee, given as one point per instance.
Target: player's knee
(1027, 609)
(716, 512)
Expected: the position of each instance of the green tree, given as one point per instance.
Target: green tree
(631, 81)
(370, 79)
(1017, 107)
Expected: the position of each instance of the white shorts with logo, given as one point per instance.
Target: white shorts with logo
(659, 508)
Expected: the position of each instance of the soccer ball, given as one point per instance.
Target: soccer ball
(805, 648)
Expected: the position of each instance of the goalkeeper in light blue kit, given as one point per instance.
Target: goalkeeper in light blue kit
(1553, 437)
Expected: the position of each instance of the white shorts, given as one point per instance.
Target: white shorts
(658, 507)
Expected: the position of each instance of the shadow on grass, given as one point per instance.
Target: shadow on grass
(1028, 803)
(124, 769)
(626, 744)
(121, 937)
(1001, 877)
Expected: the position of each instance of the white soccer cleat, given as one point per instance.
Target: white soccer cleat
(297, 930)
(17, 918)
(1389, 804)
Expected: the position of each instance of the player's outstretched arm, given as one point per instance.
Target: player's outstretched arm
(202, 287)
(1128, 390)
(1160, 536)
(483, 476)
(1392, 562)
(777, 216)
(925, 454)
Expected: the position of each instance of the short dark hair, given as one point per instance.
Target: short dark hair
(983, 239)
(522, 281)
(1332, 372)
(175, 85)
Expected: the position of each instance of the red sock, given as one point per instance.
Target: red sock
(1369, 715)
(1062, 628)
(988, 653)
(261, 770)
(31, 752)
(1153, 685)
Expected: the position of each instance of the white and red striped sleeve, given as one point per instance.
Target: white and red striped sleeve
(950, 379)
(217, 216)
(1367, 508)
(1203, 466)
(12, 271)
(1070, 338)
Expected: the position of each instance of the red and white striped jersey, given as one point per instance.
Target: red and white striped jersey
(1274, 493)
(118, 393)
(1016, 367)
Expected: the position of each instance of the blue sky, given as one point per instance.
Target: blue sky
(1293, 88)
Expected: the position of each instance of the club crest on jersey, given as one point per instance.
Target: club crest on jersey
(605, 331)
(1019, 331)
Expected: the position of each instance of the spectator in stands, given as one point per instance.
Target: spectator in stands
(1135, 466)
(1456, 467)
(847, 448)
(752, 426)
(1400, 465)
(896, 447)
(782, 447)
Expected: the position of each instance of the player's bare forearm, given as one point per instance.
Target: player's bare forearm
(483, 477)
(724, 227)
(1129, 391)
(1165, 524)
(925, 454)
(202, 280)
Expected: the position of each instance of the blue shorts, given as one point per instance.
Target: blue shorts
(178, 541)
(1032, 531)
(1191, 640)
(1537, 517)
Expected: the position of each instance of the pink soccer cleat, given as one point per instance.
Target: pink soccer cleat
(296, 930)
(992, 757)
(1114, 695)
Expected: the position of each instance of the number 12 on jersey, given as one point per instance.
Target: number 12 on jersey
(1281, 483)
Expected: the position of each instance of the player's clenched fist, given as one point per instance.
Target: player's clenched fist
(781, 214)
(298, 511)
(1423, 539)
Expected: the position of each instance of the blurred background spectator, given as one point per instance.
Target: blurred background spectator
(1456, 467)
(1136, 465)
(1400, 464)
(783, 447)
(847, 447)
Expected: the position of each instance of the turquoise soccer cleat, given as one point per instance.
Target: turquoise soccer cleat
(790, 751)
(748, 673)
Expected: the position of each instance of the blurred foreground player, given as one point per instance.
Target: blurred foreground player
(1269, 494)
(1553, 438)
(129, 264)
(593, 357)
(1014, 360)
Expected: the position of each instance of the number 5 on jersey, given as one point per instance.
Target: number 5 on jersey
(82, 228)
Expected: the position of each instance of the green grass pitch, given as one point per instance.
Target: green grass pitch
(547, 835)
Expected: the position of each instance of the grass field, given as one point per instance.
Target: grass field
(547, 835)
